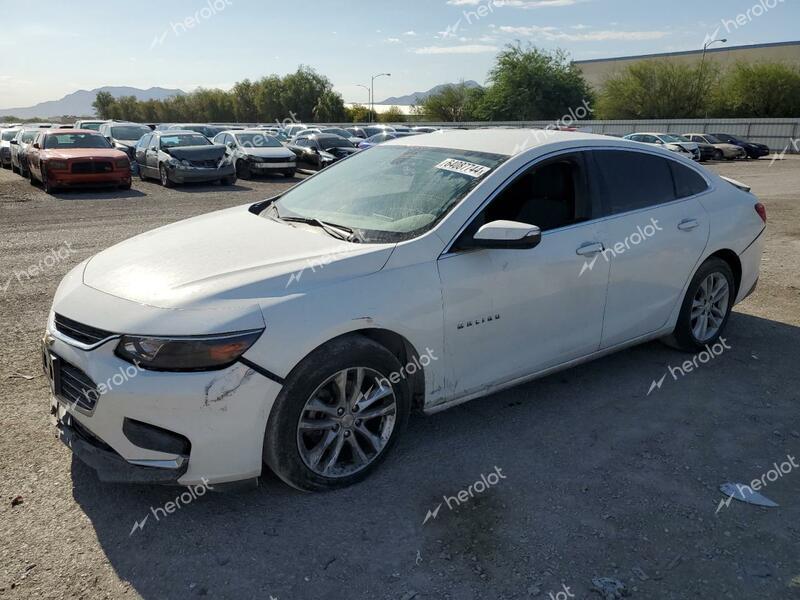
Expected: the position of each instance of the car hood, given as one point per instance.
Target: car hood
(213, 152)
(84, 153)
(685, 145)
(228, 255)
(128, 143)
(269, 152)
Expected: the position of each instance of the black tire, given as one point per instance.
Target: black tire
(31, 178)
(243, 170)
(142, 176)
(164, 177)
(281, 452)
(125, 186)
(718, 155)
(48, 189)
(683, 337)
(229, 180)
(289, 174)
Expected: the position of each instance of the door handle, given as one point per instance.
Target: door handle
(589, 249)
(688, 224)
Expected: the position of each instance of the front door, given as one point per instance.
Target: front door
(510, 313)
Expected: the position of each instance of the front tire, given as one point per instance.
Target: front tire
(337, 416)
(243, 170)
(164, 176)
(706, 307)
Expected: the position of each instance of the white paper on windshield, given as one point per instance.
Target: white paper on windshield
(463, 167)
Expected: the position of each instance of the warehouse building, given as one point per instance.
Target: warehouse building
(596, 71)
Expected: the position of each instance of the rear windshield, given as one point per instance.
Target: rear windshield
(184, 139)
(129, 132)
(257, 140)
(9, 134)
(67, 141)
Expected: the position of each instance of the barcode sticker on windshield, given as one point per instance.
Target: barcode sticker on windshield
(463, 167)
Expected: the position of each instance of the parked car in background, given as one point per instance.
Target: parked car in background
(204, 129)
(670, 141)
(345, 133)
(709, 152)
(293, 129)
(93, 125)
(19, 150)
(306, 132)
(175, 156)
(319, 150)
(124, 136)
(425, 129)
(383, 137)
(460, 255)
(6, 135)
(76, 158)
(253, 152)
(729, 151)
(753, 149)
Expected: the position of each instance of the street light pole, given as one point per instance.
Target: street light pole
(372, 93)
(702, 63)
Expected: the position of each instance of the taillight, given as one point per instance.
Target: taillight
(762, 211)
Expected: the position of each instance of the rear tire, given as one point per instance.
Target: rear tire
(713, 279)
(348, 455)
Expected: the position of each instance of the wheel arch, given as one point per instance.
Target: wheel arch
(732, 259)
(398, 345)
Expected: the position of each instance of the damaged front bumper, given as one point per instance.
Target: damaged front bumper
(146, 426)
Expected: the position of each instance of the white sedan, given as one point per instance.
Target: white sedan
(300, 332)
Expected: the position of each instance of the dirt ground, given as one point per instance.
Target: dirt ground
(593, 476)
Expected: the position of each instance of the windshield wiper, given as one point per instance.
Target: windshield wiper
(338, 231)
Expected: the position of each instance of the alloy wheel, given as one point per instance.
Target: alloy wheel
(709, 307)
(347, 422)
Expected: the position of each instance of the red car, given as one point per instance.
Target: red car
(76, 158)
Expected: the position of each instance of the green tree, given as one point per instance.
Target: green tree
(103, 104)
(301, 92)
(269, 105)
(454, 102)
(658, 89)
(358, 113)
(392, 115)
(330, 108)
(528, 83)
(758, 90)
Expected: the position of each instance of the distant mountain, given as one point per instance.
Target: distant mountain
(79, 103)
(418, 97)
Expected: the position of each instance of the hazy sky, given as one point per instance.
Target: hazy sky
(49, 48)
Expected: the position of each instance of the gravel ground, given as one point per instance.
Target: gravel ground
(598, 477)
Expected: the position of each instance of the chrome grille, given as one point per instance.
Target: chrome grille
(79, 332)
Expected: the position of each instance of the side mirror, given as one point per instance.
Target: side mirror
(36, 145)
(507, 235)
(14, 142)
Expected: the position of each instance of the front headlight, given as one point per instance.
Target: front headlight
(191, 353)
(57, 165)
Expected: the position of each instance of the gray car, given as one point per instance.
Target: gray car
(181, 157)
(19, 150)
(253, 152)
(124, 136)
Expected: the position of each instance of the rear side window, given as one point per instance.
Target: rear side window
(688, 182)
(632, 180)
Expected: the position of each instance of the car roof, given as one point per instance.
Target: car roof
(509, 142)
(63, 131)
(177, 132)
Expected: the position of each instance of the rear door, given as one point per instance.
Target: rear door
(654, 232)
